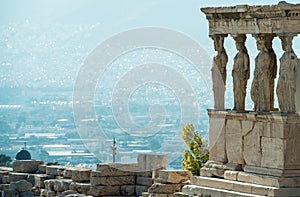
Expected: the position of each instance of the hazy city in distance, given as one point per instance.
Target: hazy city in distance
(43, 46)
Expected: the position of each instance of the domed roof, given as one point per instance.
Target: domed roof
(23, 155)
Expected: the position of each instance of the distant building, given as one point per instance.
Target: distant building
(23, 155)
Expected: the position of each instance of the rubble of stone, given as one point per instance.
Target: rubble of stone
(30, 178)
(168, 183)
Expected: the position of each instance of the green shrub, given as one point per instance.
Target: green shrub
(197, 153)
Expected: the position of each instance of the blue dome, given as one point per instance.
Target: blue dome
(23, 155)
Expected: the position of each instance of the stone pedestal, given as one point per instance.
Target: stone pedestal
(260, 152)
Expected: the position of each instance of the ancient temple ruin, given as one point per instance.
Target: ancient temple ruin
(253, 152)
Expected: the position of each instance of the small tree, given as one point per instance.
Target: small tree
(197, 153)
(5, 160)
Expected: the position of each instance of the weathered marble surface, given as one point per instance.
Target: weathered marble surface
(218, 71)
(240, 72)
(263, 141)
(286, 88)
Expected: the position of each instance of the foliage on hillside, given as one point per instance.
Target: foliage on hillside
(197, 153)
(4, 160)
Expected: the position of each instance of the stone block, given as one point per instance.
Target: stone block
(31, 179)
(145, 194)
(150, 162)
(217, 148)
(159, 188)
(115, 169)
(3, 173)
(50, 194)
(272, 171)
(180, 194)
(81, 188)
(43, 192)
(146, 181)
(144, 174)
(26, 166)
(273, 152)
(105, 191)
(41, 169)
(10, 193)
(68, 172)
(70, 193)
(128, 190)
(212, 172)
(234, 142)
(291, 153)
(39, 180)
(15, 176)
(21, 186)
(7, 169)
(174, 176)
(49, 184)
(81, 175)
(252, 145)
(26, 194)
(231, 175)
(4, 186)
(54, 170)
(61, 185)
(215, 182)
(139, 189)
(269, 180)
(119, 180)
(5, 179)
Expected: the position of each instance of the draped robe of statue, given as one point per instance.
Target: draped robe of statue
(260, 89)
(219, 78)
(287, 82)
(219, 72)
(273, 73)
(240, 74)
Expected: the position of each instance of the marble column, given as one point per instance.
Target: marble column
(240, 72)
(286, 87)
(261, 85)
(273, 66)
(219, 71)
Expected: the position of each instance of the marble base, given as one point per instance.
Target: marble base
(227, 188)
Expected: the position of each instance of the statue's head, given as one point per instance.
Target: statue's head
(286, 42)
(261, 42)
(218, 42)
(240, 41)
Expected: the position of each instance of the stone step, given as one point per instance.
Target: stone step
(217, 183)
(181, 194)
(262, 179)
(195, 190)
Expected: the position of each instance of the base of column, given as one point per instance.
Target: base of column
(221, 187)
(273, 172)
(273, 181)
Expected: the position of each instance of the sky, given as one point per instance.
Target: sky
(111, 17)
(118, 15)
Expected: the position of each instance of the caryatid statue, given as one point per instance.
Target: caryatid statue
(240, 72)
(286, 87)
(273, 68)
(219, 72)
(260, 89)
